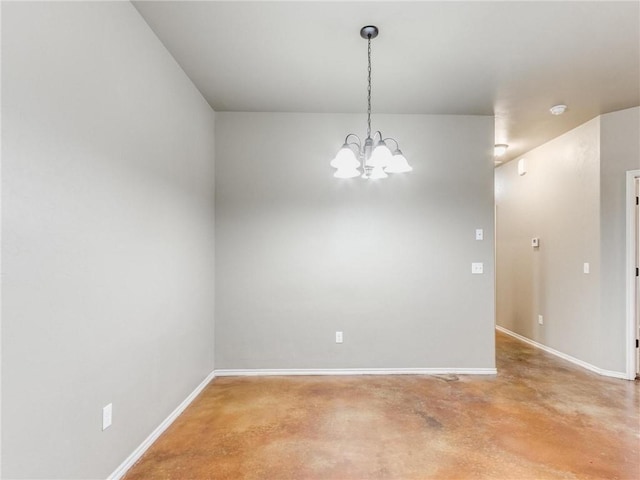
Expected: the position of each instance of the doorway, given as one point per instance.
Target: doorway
(637, 272)
(633, 273)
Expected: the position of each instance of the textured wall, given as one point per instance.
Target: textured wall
(108, 236)
(573, 198)
(558, 201)
(620, 152)
(300, 254)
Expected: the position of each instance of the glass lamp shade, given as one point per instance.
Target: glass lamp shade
(345, 159)
(376, 173)
(347, 173)
(398, 163)
(381, 156)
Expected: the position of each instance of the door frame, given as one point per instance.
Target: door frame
(631, 262)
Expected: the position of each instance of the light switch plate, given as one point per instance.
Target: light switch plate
(338, 337)
(540, 320)
(479, 234)
(586, 267)
(477, 268)
(107, 416)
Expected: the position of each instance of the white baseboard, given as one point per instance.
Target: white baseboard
(564, 356)
(138, 452)
(354, 371)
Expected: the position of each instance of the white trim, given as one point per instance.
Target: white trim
(353, 371)
(138, 452)
(630, 275)
(564, 356)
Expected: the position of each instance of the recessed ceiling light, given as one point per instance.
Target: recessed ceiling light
(558, 109)
(500, 149)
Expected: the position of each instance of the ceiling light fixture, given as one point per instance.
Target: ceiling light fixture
(500, 149)
(558, 109)
(373, 159)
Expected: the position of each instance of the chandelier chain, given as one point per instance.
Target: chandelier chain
(369, 86)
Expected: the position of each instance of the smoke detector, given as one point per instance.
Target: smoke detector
(558, 109)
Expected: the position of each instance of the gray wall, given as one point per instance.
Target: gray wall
(573, 198)
(620, 152)
(300, 254)
(558, 201)
(108, 246)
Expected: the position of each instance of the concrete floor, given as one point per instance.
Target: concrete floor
(539, 418)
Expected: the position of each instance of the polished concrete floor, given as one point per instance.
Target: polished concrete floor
(539, 418)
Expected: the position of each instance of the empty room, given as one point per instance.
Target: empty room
(320, 240)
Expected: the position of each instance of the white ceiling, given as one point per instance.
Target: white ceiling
(513, 60)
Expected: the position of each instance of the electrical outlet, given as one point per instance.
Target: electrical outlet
(107, 416)
(540, 320)
(479, 234)
(338, 337)
(477, 268)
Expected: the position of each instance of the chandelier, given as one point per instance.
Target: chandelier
(373, 159)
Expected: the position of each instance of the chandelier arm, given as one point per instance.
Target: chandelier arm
(379, 133)
(358, 143)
